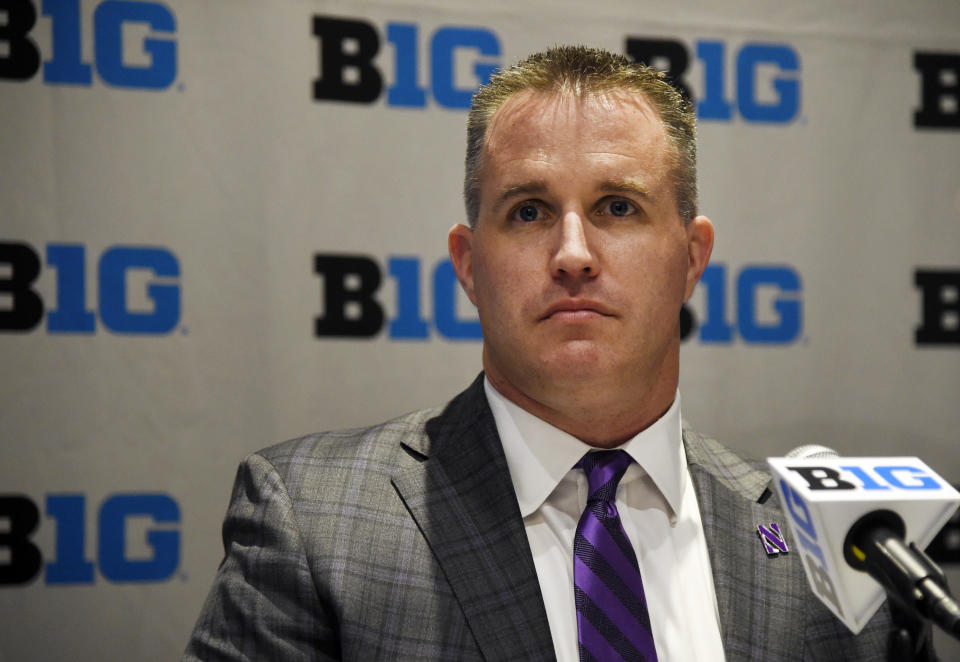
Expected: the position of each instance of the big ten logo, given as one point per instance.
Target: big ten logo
(138, 289)
(350, 308)
(764, 306)
(458, 60)
(939, 90)
(868, 477)
(758, 82)
(137, 539)
(940, 306)
(149, 63)
(812, 554)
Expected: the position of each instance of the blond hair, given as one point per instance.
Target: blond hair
(583, 71)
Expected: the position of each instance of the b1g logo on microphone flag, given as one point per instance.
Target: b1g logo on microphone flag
(824, 497)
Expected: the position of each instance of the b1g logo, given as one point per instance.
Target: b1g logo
(863, 477)
(20, 268)
(350, 285)
(754, 320)
(112, 19)
(21, 560)
(778, 102)
(939, 90)
(350, 309)
(348, 71)
(940, 307)
(812, 553)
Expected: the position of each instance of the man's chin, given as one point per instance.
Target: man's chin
(554, 365)
(577, 360)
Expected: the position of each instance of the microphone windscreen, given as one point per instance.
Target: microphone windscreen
(810, 451)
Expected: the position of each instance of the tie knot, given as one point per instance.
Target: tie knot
(604, 470)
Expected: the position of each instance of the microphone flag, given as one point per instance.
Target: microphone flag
(823, 497)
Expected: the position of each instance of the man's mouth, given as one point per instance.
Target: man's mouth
(577, 310)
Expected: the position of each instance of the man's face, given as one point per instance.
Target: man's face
(579, 261)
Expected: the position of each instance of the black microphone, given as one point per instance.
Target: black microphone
(875, 544)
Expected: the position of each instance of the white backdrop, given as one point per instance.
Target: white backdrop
(168, 179)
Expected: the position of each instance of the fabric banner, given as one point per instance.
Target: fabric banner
(224, 225)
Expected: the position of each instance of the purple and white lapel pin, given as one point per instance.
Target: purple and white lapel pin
(773, 541)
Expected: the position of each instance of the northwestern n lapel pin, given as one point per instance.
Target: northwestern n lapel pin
(773, 541)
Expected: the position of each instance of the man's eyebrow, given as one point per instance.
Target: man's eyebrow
(634, 186)
(510, 192)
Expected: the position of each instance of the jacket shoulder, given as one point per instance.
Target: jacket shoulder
(343, 454)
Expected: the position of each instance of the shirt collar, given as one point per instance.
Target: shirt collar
(539, 455)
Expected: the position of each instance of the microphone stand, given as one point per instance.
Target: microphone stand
(911, 639)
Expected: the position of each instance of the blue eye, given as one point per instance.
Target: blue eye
(527, 213)
(620, 208)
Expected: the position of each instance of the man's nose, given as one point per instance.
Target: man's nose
(574, 256)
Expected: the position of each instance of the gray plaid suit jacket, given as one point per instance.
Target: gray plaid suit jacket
(404, 541)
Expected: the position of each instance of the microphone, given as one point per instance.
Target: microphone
(851, 518)
(875, 545)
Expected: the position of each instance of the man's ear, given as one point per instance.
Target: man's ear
(699, 247)
(460, 245)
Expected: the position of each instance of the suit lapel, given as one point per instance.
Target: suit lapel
(761, 599)
(458, 490)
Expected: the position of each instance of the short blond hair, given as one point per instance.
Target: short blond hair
(583, 71)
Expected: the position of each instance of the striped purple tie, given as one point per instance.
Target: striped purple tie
(612, 617)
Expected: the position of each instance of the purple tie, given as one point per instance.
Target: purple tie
(612, 618)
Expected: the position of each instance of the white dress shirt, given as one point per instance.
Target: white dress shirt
(658, 508)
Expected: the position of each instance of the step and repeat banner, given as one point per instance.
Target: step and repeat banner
(223, 224)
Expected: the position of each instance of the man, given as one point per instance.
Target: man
(465, 533)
